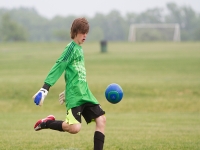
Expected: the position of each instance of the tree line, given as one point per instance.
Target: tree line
(25, 24)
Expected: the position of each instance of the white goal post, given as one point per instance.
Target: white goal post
(132, 31)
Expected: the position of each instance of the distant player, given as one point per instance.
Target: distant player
(77, 96)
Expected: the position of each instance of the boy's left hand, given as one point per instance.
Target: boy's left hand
(62, 97)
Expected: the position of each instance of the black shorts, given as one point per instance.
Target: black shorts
(88, 111)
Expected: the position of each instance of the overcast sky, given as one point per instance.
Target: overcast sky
(51, 8)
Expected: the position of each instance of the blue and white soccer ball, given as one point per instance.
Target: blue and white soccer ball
(114, 93)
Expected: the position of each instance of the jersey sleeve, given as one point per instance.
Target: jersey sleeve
(59, 67)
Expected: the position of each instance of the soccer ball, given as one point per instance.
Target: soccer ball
(114, 93)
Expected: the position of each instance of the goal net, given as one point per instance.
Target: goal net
(154, 32)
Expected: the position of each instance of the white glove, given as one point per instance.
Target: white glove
(62, 97)
(40, 96)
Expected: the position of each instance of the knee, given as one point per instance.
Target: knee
(73, 129)
(101, 121)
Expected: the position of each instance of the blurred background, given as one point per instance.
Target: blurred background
(36, 20)
(150, 48)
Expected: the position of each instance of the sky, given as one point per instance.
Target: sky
(52, 8)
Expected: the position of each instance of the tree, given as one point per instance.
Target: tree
(11, 31)
(150, 16)
(197, 31)
(96, 34)
(186, 17)
(115, 28)
(111, 27)
(62, 35)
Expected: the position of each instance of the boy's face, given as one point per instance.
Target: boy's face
(80, 38)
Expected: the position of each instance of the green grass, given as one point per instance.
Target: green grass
(160, 109)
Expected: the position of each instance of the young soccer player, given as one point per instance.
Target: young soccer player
(78, 98)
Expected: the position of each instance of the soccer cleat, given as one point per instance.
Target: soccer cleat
(41, 124)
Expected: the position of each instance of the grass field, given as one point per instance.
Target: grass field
(160, 109)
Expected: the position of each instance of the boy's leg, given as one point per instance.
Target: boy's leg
(71, 128)
(99, 132)
(59, 126)
(95, 112)
(48, 122)
(72, 124)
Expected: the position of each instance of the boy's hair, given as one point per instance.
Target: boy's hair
(80, 25)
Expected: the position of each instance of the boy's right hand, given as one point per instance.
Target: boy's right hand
(62, 97)
(40, 96)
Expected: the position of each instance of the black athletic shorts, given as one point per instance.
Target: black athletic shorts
(88, 111)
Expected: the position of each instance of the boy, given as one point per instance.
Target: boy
(77, 95)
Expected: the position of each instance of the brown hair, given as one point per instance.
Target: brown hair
(80, 25)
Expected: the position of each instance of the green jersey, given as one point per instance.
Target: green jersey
(71, 62)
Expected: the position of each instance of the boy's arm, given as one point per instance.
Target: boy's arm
(53, 75)
(59, 67)
(50, 80)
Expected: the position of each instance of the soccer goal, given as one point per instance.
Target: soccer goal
(154, 30)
